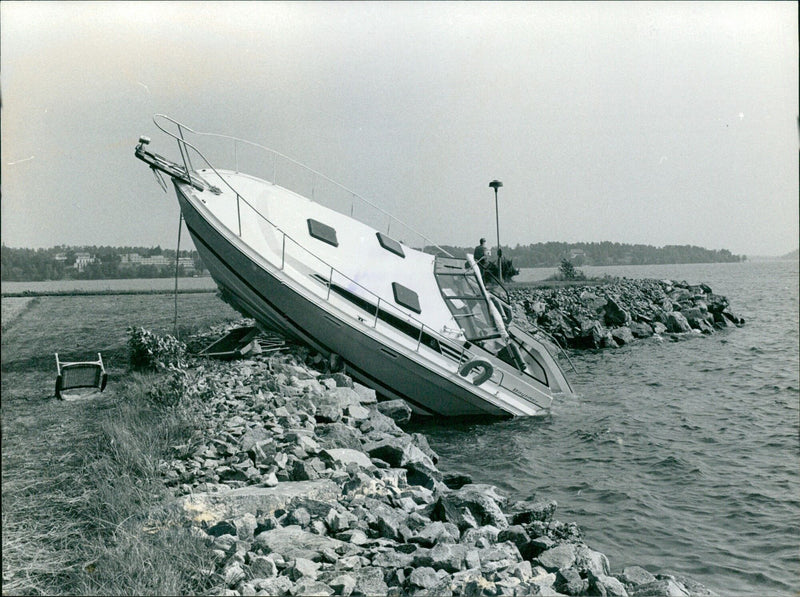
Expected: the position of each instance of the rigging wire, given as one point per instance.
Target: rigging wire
(177, 262)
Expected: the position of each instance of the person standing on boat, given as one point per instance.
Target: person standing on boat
(481, 255)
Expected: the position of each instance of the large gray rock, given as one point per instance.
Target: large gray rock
(676, 323)
(365, 395)
(369, 581)
(555, 558)
(345, 456)
(423, 577)
(293, 542)
(211, 508)
(338, 435)
(640, 329)
(622, 335)
(660, 588)
(397, 410)
(569, 581)
(525, 512)
(254, 435)
(615, 314)
(636, 575)
(590, 561)
(607, 585)
(482, 501)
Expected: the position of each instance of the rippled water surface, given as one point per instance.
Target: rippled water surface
(681, 456)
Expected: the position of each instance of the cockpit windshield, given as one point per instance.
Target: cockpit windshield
(464, 298)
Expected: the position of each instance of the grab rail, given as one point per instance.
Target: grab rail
(184, 146)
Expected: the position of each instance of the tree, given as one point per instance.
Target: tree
(569, 272)
(509, 271)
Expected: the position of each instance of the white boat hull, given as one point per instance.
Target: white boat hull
(410, 325)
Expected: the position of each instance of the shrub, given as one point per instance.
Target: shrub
(509, 271)
(151, 352)
(168, 391)
(569, 272)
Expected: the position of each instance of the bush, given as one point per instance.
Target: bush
(509, 271)
(168, 391)
(151, 352)
(569, 272)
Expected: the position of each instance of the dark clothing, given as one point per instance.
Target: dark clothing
(480, 255)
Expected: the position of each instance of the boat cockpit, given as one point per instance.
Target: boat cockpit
(476, 312)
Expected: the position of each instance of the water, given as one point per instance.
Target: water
(680, 456)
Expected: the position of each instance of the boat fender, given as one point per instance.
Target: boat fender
(488, 370)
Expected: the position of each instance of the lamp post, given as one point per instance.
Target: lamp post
(496, 184)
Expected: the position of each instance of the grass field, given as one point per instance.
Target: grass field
(74, 474)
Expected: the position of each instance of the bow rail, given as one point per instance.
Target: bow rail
(268, 164)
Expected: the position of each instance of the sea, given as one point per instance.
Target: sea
(677, 456)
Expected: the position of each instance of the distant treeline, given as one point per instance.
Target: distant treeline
(94, 263)
(551, 254)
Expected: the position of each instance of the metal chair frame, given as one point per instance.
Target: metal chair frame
(67, 381)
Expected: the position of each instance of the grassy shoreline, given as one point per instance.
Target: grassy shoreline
(76, 476)
(106, 292)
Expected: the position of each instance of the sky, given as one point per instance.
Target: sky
(644, 123)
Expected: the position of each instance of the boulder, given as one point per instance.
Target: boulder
(343, 585)
(569, 581)
(635, 575)
(590, 561)
(482, 501)
(210, 508)
(640, 329)
(524, 512)
(365, 395)
(456, 480)
(607, 585)
(345, 456)
(338, 435)
(676, 323)
(660, 588)
(423, 577)
(369, 581)
(397, 410)
(615, 314)
(555, 558)
(293, 542)
(622, 335)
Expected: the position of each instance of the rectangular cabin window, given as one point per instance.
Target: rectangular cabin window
(406, 297)
(322, 232)
(464, 298)
(390, 244)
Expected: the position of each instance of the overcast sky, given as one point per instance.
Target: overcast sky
(662, 123)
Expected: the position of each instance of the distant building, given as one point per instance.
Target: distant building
(82, 260)
(134, 259)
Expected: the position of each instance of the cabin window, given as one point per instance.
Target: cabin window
(390, 244)
(406, 297)
(322, 232)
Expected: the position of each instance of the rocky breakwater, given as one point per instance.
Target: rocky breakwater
(302, 483)
(609, 315)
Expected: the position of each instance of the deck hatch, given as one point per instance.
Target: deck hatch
(322, 232)
(390, 244)
(406, 297)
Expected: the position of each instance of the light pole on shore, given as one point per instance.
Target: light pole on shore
(496, 184)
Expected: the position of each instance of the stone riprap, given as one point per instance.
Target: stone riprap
(301, 483)
(610, 315)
